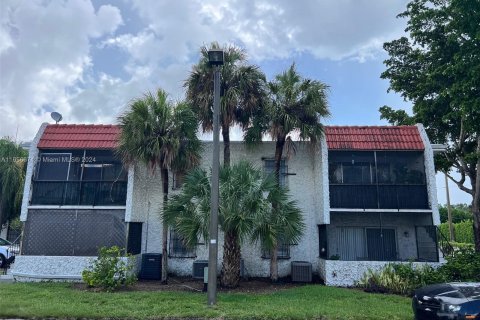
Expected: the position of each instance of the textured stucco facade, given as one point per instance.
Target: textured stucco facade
(430, 175)
(31, 268)
(347, 273)
(308, 183)
(32, 161)
(303, 175)
(55, 268)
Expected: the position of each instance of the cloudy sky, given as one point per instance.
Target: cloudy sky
(88, 58)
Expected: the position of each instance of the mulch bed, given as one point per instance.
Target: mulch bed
(252, 285)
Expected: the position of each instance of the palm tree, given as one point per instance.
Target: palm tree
(284, 222)
(296, 105)
(242, 91)
(245, 197)
(161, 135)
(12, 177)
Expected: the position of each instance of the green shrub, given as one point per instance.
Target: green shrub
(463, 266)
(463, 231)
(400, 278)
(460, 246)
(111, 270)
(460, 212)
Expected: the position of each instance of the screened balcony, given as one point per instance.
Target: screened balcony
(79, 177)
(377, 180)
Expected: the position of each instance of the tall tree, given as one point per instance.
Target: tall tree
(295, 106)
(283, 222)
(163, 136)
(245, 197)
(241, 86)
(437, 68)
(12, 177)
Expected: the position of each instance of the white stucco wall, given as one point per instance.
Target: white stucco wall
(32, 161)
(147, 206)
(346, 273)
(59, 268)
(321, 195)
(430, 174)
(129, 200)
(28, 268)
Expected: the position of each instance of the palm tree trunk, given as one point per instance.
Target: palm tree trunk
(476, 201)
(226, 145)
(231, 260)
(278, 155)
(274, 263)
(278, 161)
(164, 228)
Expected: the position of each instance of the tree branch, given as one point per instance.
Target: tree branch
(460, 184)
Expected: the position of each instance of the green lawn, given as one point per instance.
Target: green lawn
(312, 301)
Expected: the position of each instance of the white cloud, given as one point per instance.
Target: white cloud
(46, 59)
(333, 29)
(48, 53)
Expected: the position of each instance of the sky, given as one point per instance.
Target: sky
(87, 59)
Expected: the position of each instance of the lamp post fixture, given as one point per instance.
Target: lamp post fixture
(215, 58)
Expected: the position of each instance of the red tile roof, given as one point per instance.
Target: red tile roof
(373, 138)
(84, 136)
(90, 136)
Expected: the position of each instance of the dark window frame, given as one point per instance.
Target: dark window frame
(46, 154)
(178, 178)
(269, 168)
(283, 251)
(368, 250)
(176, 248)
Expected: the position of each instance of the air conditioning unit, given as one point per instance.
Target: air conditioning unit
(198, 265)
(151, 266)
(301, 271)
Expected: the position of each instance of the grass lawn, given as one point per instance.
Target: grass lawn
(312, 301)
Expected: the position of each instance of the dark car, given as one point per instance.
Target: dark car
(456, 300)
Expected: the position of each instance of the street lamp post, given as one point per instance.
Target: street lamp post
(215, 58)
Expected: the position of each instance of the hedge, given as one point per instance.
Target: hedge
(463, 231)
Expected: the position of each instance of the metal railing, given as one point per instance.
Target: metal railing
(372, 196)
(93, 193)
(12, 250)
(444, 244)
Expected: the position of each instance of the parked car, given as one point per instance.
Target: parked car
(7, 252)
(457, 300)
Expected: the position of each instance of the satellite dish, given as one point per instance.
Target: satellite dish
(56, 116)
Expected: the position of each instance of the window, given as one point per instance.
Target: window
(400, 167)
(377, 180)
(351, 167)
(372, 244)
(283, 251)
(351, 243)
(54, 166)
(79, 177)
(177, 248)
(269, 167)
(357, 173)
(178, 179)
(381, 244)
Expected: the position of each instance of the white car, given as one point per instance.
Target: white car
(7, 253)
